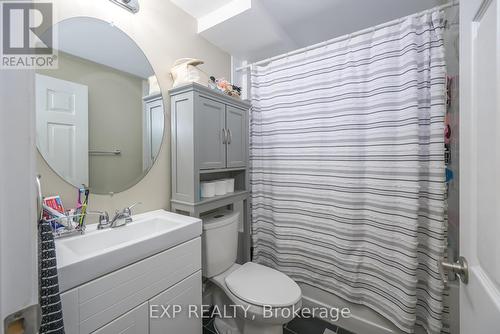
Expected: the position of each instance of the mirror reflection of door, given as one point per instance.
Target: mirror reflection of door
(62, 126)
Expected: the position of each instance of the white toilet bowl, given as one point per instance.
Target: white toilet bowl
(264, 299)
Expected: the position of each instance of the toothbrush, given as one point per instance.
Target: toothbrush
(84, 208)
(78, 208)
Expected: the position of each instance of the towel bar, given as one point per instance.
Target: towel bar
(95, 152)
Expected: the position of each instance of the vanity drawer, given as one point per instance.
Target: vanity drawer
(184, 294)
(105, 299)
(132, 322)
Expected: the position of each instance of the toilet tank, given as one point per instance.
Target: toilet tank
(219, 242)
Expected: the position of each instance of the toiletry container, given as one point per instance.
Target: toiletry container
(207, 189)
(229, 185)
(220, 187)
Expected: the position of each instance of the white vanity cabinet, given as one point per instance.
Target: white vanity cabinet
(121, 302)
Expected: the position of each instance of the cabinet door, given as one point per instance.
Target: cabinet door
(210, 122)
(133, 322)
(185, 296)
(237, 137)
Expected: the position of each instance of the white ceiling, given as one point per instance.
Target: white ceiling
(272, 27)
(198, 9)
(102, 43)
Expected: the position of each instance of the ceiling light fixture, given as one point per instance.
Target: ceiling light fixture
(130, 5)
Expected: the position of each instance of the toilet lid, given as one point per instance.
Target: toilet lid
(260, 285)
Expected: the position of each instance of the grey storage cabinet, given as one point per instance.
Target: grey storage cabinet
(152, 129)
(209, 133)
(210, 142)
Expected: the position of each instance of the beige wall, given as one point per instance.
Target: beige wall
(115, 120)
(165, 33)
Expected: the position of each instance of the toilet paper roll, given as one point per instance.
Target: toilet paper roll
(207, 189)
(229, 185)
(220, 187)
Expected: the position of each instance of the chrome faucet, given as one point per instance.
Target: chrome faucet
(121, 218)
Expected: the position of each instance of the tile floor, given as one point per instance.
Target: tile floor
(296, 326)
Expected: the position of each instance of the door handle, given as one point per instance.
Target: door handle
(459, 268)
(230, 136)
(224, 136)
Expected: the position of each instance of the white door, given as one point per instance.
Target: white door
(62, 127)
(480, 165)
(18, 218)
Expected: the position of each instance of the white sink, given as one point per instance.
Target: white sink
(85, 257)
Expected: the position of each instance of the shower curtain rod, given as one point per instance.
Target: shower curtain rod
(340, 38)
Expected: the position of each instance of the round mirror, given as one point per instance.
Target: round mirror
(100, 115)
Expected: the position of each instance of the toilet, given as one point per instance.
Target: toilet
(264, 299)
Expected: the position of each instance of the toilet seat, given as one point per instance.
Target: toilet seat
(261, 285)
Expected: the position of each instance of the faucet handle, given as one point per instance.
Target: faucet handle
(134, 205)
(129, 209)
(104, 217)
(103, 220)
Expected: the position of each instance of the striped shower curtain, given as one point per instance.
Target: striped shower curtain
(347, 154)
